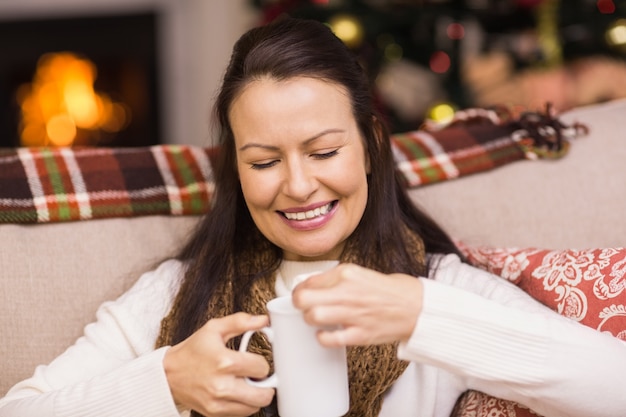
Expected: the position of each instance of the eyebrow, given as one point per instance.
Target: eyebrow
(306, 142)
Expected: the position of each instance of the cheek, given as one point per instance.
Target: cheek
(256, 190)
(351, 179)
(352, 187)
(353, 183)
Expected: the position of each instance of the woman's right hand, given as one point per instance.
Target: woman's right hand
(206, 376)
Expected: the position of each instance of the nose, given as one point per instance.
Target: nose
(300, 180)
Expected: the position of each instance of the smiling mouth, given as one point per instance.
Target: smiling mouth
(310, 214)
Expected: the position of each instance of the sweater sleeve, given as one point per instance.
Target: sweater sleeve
(113, 369)
(504, 343)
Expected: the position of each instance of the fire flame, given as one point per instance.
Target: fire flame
(61, 104)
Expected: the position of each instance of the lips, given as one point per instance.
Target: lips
(309, 214)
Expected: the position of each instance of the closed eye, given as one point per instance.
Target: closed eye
(264, 165)
(325, 155)
(269, 164)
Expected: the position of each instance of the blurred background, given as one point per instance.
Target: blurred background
(144, 72)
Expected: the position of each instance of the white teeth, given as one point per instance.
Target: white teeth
(305, 215)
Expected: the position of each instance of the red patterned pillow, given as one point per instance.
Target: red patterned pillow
(588, 286)
(479, 404)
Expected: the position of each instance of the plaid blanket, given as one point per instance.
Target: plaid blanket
(39, 185)
(427, 157)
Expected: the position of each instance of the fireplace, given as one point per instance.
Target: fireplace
(80, 81)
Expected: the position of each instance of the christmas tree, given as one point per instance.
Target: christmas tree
(429, 58)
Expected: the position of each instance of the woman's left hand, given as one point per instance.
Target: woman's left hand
(360, 306)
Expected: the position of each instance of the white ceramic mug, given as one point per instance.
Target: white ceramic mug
(311, 380)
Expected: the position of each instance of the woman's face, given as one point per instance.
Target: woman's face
(302, 164)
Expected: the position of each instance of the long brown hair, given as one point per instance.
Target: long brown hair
(284, 49)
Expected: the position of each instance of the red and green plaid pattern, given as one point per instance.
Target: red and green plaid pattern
(425, 157)
(39, 185)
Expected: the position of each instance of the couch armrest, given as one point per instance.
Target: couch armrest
(54, 277)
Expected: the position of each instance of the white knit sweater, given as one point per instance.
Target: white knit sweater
(475, 331)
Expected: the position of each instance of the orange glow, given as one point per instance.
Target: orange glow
(61, 102)
(61, 130)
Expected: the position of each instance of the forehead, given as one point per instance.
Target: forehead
(301, 98)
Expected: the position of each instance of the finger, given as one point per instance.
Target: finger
(331, 339)
(330, 278)
(236, 324)
(317, 289)
(329, 315)
(226, 409)
(240, 363)
(340, 337)
(253, 396)
(226, 394)
(245, 405)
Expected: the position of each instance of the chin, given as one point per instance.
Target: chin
(322, 254)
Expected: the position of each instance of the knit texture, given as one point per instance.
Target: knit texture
(371, 369)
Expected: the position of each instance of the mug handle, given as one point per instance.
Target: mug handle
(272, 380)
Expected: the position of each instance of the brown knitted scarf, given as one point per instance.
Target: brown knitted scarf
(372, 369)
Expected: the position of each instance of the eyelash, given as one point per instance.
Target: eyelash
(319, 156)
(264, 166)
(326, 155)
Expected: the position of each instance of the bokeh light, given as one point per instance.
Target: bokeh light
(441, 113)
(455, 31)
(606, 6)
(347, 28)
(616, 35)
(439, 62)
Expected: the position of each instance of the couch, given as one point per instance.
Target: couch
(56, 273)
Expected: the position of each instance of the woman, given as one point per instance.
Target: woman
(307, 177)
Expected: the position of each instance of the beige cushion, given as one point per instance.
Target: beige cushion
(54, 277)
(578, 201)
